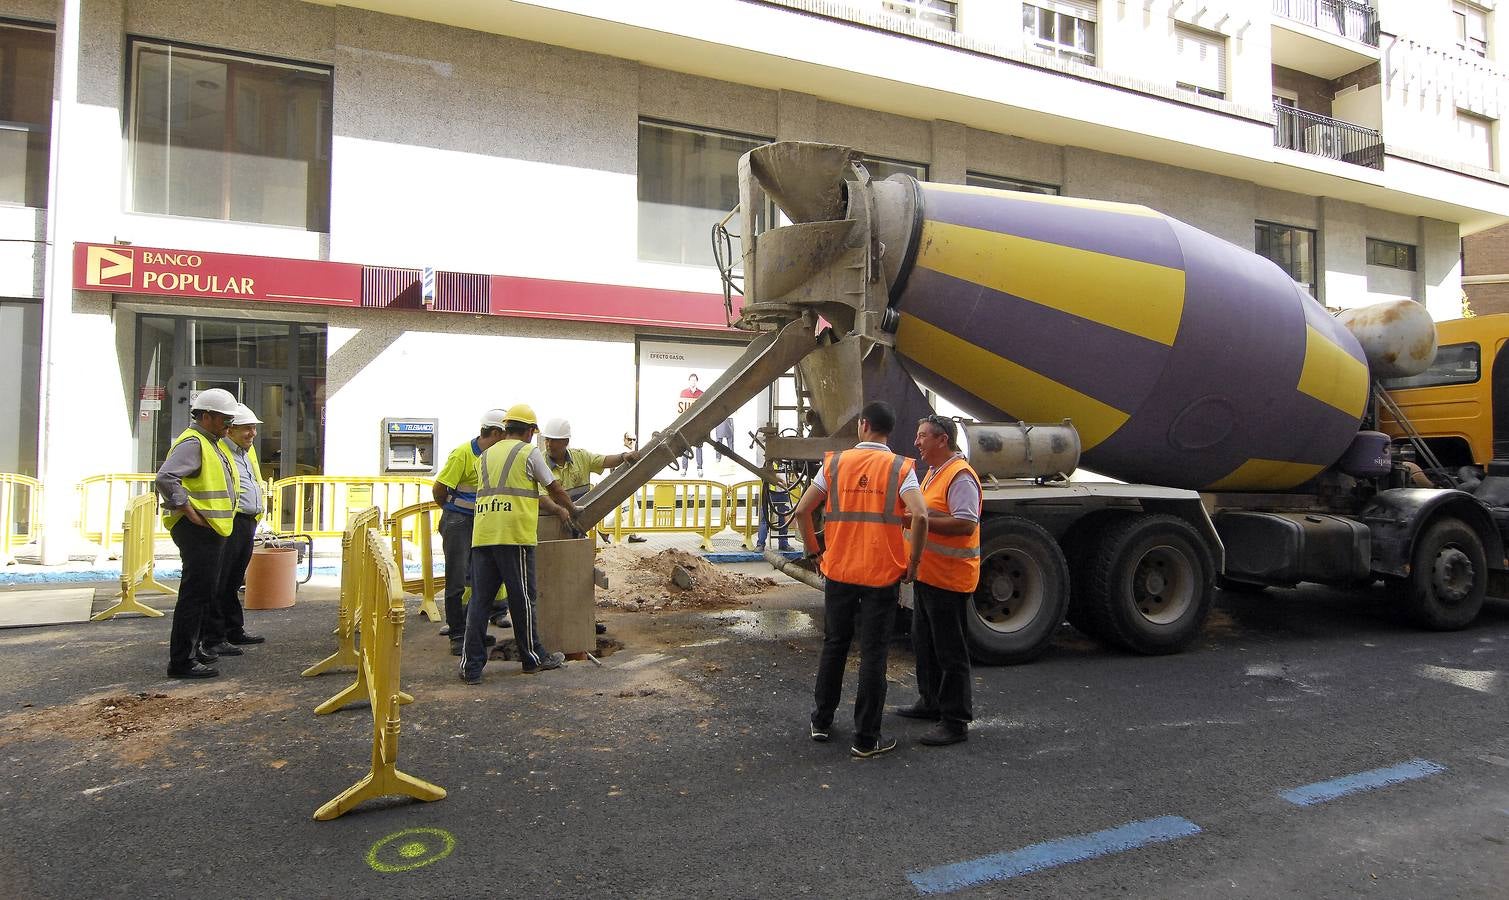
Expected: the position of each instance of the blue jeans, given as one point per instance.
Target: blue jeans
(512, 566)
(875, 610)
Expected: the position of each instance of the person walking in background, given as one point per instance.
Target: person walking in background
(455, 491)
(946, 581)
(224, 631)
(865, 493)
(198, 489)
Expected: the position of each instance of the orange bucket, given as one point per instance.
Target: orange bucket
(272, 578)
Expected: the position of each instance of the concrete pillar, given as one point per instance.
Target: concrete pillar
(1341, 258)
(1438, 268)
(949, 156)
(796, 117)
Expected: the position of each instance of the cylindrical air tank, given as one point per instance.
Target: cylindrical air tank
(1182, 359)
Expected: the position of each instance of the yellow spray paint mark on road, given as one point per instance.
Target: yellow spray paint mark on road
(411, 848)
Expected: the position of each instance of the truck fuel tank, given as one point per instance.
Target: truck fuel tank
(1020, 450)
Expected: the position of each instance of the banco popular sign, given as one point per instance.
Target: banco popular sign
(227, 276)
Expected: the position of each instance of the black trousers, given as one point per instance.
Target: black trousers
(943, 676)
(510, 566)
(224, 617)
(201, 550)
(456, 543)
(873, 609)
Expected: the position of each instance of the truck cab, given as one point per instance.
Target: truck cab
(1460, 405)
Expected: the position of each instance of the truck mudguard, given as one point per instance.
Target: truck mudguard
(1395, 518)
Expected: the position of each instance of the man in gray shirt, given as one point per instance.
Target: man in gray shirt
(224, 622)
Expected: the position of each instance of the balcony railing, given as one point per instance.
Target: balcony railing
(1348, 18)
(1320, 135)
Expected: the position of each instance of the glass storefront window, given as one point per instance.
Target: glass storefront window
(688, 181)
(20, 384)
(25, 113)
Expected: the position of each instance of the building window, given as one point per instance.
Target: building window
(1200, 61)
(976, 179)
(1475, 139)
(688, 181)
(1391, 254)
(1472, 27)
(20, 384)
(1293, 249)
(219, 136)
(881, 168)
(939, 13)
(1063, 28)
(25, 113)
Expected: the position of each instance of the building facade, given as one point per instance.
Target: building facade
(417, 210)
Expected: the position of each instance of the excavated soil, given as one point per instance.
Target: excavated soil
(639, 581)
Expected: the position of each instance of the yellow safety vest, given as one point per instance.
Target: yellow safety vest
(213, 491)
(256, 470)
(508, 499)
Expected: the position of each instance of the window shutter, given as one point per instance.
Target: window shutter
(1200, 58)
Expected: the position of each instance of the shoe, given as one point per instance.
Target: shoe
(246, 637)
(194, 671)
(636, 539)
(551, 661)
(445, 630)
(820, 734)
(204, 654)
(884, 745)
(915, 711)
(226, 648)
(456, 646)
(600, 628)
(471, 679)
(501, 620)
(942, 735)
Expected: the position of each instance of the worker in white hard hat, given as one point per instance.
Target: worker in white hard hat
(455, 490)
(199, 491)
(574, 467)
(224, 632)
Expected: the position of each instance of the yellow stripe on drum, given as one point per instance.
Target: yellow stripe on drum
(1265, 475)
(1129, 209)
(1006, 385)
(1094, 286)
(1332, 375)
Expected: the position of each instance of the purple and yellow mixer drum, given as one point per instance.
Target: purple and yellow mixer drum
(1182, 359)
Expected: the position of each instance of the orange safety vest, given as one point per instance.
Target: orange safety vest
(949, 561)
(863, 515)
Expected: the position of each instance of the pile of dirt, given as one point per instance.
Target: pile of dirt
(643, 581)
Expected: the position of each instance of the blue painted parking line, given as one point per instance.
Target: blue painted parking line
(1321, 791)
(1047, 855)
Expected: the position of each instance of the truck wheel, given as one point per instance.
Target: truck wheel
(1150, 584)
(1448, 577)
(1079, 545)
(1023, 592)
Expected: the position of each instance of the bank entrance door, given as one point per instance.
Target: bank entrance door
(269, 396)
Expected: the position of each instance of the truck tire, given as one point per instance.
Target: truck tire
(1023, 592)
(1149, 584)
(1079, 545)
(1448, 577)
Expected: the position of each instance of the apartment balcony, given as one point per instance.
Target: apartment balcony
(1326, 38)
(1307, 132)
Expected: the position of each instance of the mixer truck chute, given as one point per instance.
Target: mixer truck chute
(1231, 405)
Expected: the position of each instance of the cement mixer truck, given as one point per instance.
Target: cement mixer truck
(1234, 413)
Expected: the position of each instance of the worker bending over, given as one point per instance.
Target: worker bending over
(455, 491)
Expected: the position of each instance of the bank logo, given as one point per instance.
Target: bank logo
(105, 267)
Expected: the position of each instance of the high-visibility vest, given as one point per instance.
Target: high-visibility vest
(256, 471)
(508, 499)
(949, 561)
(213, 491)
(862, 517)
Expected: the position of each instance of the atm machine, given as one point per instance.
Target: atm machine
(408, 445)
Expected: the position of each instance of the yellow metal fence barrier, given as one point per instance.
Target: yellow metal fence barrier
(345, 655)
(101, 498)
(20, 514)
(694, 506)
(423, 531)
(380, 586)
(138, 549)
(321, 505)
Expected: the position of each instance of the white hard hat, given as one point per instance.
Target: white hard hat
(244, 416)
(556, 428)
(493, 418)
(215, 400)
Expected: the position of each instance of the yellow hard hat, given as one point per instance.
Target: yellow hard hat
(522, 413)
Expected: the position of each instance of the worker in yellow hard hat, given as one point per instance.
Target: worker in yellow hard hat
(504, 534)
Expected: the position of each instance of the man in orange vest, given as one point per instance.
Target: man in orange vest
(946, 581)
(865, 494)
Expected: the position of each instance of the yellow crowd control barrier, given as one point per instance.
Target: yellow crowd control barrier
(423, 531)
(745, 500)
(380, 586)
(138, 559)
(687, 506)
(345, 625)
(101, 498)
(320, 505)
(20, 513)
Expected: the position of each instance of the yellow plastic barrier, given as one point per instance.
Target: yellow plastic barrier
(745, 500)
(320, 505)
(20, 513)
(345, 655)
(688, 506)
(138, 559)
(101, 497)
(380, 586)
(423, 532)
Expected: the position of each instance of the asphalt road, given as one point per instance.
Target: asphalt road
(682, 768)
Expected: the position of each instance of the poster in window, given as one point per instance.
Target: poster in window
(673, 377)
